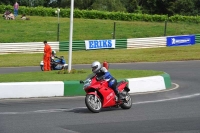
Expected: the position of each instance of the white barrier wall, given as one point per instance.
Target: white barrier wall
(146, 84)
(63, 88)
(31, 89)
(151, 42)
(30, 47)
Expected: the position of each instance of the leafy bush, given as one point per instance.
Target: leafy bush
(180, 18)
(94, 14)
(4, 7)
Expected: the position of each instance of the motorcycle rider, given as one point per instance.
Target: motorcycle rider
(102, 71)
(54, 62)
(53, 54)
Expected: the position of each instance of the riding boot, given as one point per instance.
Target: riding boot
(119, 95)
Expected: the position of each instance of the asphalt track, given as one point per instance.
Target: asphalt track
(173, 111)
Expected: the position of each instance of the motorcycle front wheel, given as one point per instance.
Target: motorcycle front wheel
(92, 104)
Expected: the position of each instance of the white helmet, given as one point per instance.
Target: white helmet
(53, 52)
(96, 66)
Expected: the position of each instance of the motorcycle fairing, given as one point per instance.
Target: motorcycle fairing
(92, 93)
(58, 67)
(109, 99)
(121, 85)
(108, 95)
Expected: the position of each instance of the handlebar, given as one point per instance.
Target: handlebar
(100, 78)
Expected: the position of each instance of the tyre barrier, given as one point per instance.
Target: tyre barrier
(74, 88)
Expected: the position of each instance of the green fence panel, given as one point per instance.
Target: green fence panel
(80, 45)
(76, 45)
(197, 38)
(121, 44)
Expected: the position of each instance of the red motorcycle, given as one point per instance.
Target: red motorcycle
(99, 95)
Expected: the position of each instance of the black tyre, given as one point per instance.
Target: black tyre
(65, 67)
(93, 105)
(42, 67)
(128, 102)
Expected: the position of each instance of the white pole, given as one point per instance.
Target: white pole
(58, 15)
(70, 36)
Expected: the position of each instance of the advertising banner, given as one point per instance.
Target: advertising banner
(180, 40)
(99, 44)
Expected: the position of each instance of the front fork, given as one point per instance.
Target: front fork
(95, 96)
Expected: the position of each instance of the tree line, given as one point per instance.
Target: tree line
(161, 7)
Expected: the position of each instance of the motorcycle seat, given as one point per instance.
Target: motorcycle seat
(119, 83)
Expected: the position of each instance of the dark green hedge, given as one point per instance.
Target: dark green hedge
(94, 14)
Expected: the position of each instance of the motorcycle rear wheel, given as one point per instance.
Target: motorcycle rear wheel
(92, 105)
(65, 67)
(128, 103)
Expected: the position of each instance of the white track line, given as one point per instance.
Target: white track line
(62, 110)
(40, 111)
(163, 100)
(137, 103)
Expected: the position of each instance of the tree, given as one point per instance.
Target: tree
(133, 6)
(32, 3)
(7, 2)
(185, 7)
(79, 4)
(108, 5)
(197, 6)
(166, 7)
(159, 7)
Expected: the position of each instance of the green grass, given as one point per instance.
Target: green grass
(54, 76)
(38, 29)
(87, 57)
(112, 56)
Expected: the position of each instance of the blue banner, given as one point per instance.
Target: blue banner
(180, 40)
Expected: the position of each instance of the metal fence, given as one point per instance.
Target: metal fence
(76, 45)
(153, 42)
(197, 38)
(80, 45)
(38, 47)
(31, 47)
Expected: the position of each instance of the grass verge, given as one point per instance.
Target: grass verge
(180, 53)
(54, 76)
(38, 29)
